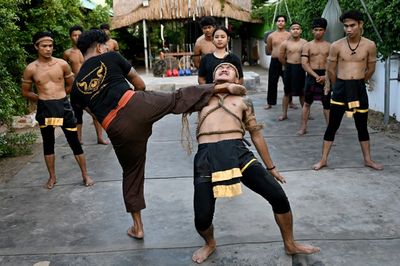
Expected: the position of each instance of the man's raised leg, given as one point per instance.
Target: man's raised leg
(204, 252)
(285, 224)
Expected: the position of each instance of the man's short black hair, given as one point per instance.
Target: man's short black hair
(41, 34)
(75, 28)
(207, 21)
(105, 26)
(319, 23)
(91, 38)
(280, 16)
(295, 23)
(352, 14)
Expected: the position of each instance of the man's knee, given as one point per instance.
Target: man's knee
(202, 222)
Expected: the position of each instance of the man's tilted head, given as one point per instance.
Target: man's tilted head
(91, 38)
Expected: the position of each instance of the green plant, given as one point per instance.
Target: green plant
(16, 144)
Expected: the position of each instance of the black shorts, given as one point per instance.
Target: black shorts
(294, 79)
(315, 91)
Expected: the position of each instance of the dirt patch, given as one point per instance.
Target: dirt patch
(392, 129)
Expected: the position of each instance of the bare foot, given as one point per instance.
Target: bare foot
(50, 183)
(310, 117)
(102, 142)
(321, 164)
(88, 181)
(293, 106)
(301, 132)
(203, 253)
(136, 235)
(267, 106)
(374, 165)
(281, 118)
(301, 249)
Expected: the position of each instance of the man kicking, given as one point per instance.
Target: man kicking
(223, 161)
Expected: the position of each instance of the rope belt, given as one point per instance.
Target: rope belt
(220, 105)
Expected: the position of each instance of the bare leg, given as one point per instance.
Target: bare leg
(326, 115)
(285, 103)
(204, 252)
(365, 147)
(326, 148)
(99, 132)
(304, 119)
(49, 160)
(285, 224)
(291, 104)
(136, 231)
(81, 160)
(301, 100)
(79, 127)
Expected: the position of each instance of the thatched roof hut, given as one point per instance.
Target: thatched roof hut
(128, 12)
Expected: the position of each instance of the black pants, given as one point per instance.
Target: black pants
(274, 72)
(335, 118)
(49, 140)
(254, 177)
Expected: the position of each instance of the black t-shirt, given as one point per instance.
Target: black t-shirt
(209, 62)
(100, 84)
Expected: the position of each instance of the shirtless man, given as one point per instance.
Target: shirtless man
(313, 60)
(223, 161)
(204, 44)
(294, 75)
(75, 59)
(273, 42)
(351, 63)
(53, 80)
(112, 44)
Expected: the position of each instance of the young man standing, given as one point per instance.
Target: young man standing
(223, 161)
(75, 59)
(112, 44)
(294, 75)
(273, 42)
(103, 87)
(53, 80)
(351, 63)
(204, 44)
(313, 60)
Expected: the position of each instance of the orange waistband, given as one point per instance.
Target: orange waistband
(113, 113)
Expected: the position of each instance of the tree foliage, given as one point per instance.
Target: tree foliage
(20, 20)
(384, 13)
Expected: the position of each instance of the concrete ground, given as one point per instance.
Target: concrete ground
(350, 211)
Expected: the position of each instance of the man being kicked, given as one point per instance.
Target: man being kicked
(313, 59)
(223, 161)
(75, 59)
(102, 86)
(294, 75)
(351, 62)
(53, 80)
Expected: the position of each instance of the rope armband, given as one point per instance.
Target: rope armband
(252, 128)
(26, 81)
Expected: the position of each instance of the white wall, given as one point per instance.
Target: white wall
(376, 96)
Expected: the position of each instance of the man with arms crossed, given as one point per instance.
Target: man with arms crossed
(53, 80)
(204, 44)
(313, 59)
(223, 161)
(294, 75)
(351, 63)
(75, 59)
(103, 87)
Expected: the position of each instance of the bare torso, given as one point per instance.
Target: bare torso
(353, 65)
(75, 58)
(292, 50)
(220, 120)
(48, 77)
(202, 47)
(275, 39)
(318, 53)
